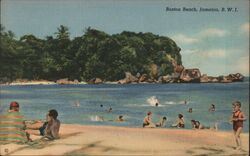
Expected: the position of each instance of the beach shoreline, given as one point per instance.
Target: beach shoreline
(78, 139)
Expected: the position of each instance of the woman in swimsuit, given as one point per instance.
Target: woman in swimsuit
(237, 118)
(147, 122)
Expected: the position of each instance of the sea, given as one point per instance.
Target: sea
(88, 104)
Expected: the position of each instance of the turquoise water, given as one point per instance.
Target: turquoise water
(81, 103)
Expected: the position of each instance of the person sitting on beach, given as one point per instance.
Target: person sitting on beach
(12, 127)
(162, 122)
(147, 122)
(51, 130)
(48, 129)
(237, 118)
(212, 108)
(180, 122)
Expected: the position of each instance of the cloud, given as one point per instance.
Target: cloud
(213, 53)
(212, 32)
(181, 38)
(242, 66)
(218, 61)
(198, 37)
(245, 28)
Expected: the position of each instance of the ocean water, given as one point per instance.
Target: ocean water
(80, 104)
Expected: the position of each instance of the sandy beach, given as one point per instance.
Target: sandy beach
(107, 140)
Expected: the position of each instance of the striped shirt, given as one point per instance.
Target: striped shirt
(12, 128)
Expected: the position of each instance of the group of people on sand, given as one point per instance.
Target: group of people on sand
(237, 119)
(14, 129)
(148, 123)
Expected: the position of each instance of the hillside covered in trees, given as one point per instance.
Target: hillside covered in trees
(94, 54)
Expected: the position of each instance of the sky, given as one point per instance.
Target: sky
(215, 42)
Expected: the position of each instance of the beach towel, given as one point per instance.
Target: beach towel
(12, 128)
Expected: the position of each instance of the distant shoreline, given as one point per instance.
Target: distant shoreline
(34, 82)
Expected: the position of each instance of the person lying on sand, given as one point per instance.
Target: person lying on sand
(147, 122)
(180, 122)
(197, 125)
(12, 127)
(162, 122)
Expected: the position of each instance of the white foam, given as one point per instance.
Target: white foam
(176, 103)
(96, 118)
(153, 100)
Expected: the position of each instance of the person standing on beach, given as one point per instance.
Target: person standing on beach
(147, 122)
(12, 127)
(237, 118)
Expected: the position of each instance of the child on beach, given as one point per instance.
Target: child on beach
(162, 122)
(180, 122)
(237, 118)
(147, 122)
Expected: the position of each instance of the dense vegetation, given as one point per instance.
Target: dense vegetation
(94, 54)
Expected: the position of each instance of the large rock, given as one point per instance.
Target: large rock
(190, 75)
(122, 81)
(235, 77)
(168, 79)
(66, 81)
(63, 81)
(178, 68)
(204, 78)
(143, 78)
(129, 78)
(98, 81)
(95, 81)
(224, 79)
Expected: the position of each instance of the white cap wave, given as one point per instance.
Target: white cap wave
(153, 100)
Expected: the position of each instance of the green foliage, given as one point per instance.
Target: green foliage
(94, 54)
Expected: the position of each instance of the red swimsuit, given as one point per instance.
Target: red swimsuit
(239, 123)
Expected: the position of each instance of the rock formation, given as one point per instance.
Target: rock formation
(190, 75)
